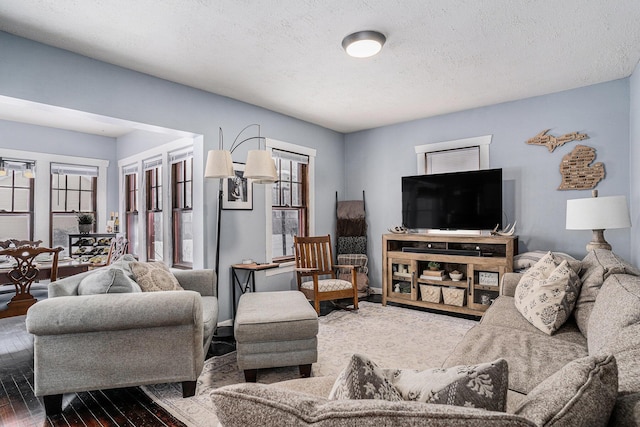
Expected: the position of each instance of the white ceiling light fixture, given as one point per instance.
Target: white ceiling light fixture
(363, 44)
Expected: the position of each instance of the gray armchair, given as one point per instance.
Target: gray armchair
(93, 342)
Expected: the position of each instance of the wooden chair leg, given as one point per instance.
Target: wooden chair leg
(52, 404)
(355, 301)
(188, 388)
(305, 371)
(250, 375)
(316, 305)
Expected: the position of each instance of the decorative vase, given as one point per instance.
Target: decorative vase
(85, 228)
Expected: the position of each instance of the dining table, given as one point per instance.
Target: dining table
(23, 299)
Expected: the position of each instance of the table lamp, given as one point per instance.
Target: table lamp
(597, 214)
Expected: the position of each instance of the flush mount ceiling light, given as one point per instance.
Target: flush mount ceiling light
(363, 44)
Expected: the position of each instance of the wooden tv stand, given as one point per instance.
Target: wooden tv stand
(481, 259)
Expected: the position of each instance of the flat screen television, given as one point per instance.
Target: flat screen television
(453, 201)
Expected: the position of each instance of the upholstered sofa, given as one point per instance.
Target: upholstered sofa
(553, 379)
(86, 339)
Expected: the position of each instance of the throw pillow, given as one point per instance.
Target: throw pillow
(154, 276)
(363, 379)
(107, 281)
(482, 386)
(547, 293)
(582, 393)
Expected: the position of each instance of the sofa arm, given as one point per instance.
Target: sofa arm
(112, 312)
(201, 281)
(509, 283)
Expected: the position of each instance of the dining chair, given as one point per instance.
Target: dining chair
(24, 271)
(118, 248)
(14, 243)
(314, 258)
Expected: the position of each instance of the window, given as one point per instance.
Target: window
(289, 203)
(454, 156)
(182, 208)
(131, 208)
(73, 191)
(153, 185)
(16, 202)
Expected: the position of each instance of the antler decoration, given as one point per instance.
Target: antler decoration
(509, 230)
(552, 142)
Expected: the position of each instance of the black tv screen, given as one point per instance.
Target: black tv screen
(453, 201)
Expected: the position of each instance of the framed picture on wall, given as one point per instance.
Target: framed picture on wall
(237, 191)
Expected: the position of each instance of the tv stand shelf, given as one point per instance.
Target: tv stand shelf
(482, 260)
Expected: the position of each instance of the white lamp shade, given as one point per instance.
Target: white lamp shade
(260, 167)
(598, 213)
(219, 164)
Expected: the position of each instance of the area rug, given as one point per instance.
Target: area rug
(391, 336)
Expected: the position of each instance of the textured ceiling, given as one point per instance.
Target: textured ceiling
(441, 55)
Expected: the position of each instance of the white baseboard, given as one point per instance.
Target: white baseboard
(225, 323)
(375, 291)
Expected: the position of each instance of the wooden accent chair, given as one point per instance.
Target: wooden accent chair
(24, 273)
(314, 258)
(118, 248)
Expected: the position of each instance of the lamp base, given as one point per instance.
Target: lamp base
(598, 242)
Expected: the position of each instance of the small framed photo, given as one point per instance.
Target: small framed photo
(488, 278)
(237, 191)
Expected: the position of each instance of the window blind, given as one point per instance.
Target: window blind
(287, 155)
(457, 160)
(152, 163)
(180, 155)
(65, 169)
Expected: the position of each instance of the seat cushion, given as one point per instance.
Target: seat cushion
(532, 356)
(328, 285)
(275, 316)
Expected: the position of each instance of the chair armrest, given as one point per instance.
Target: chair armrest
(201, 281)
(111, 312)
(305, 270)
(509, 283)
(345, 266)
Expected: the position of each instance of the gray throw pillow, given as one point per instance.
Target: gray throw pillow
(481, 386)
(363, 379)
(582, 393)
(107, 281)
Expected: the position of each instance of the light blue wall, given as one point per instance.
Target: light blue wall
(634, 161)
(378, 158)
(21, 136)
(36, 72)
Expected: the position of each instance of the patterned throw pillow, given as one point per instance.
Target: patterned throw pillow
(154, 276)
(363, 379)
(481, 386)
(547, 294)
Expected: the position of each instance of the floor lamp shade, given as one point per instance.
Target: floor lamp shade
(260, 167)
(219, 164)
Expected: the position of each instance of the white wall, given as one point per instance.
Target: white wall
(378, 158)
(634, 161)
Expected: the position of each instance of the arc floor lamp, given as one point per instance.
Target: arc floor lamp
(260, 168)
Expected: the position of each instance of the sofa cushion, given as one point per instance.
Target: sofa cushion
(526, 260)
(597, 265)
(547, 293)
(107, 280)
(362, 378)
(247, 404)
(482, 386)
(532, 356)
(614, 327)
(154, 276)
(503, 312)
(582, 393)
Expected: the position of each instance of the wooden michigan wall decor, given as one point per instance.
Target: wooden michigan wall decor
(576, 171)
(553, 142)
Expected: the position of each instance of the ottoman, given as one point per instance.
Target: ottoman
(274, 329)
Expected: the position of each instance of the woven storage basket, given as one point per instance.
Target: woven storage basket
(430, 293)
(453, 296)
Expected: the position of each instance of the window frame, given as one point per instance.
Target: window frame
(271, 144)
(29, 213)
(154, 201)
(479, 141)
(131, 211)
(178, 207)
